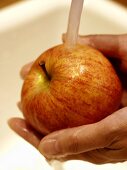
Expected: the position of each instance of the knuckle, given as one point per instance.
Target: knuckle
(73, 143)
(113, 130)
(117, 129)
(111, 136)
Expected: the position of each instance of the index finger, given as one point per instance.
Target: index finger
(22, 128)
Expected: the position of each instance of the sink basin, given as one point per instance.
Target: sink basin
(26, 30)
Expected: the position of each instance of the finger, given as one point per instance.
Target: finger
(87, 156)
(19, 106)
(25, 131)
(64, 37)
(124, 98)
(95, 156)
(123, 51)
(114, 154)
(124, 63)
(25, 69)
(110, 45)
(84, 138)
(73, 141)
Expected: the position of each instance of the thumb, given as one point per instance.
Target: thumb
(107, 44)
(110, 45)
(76, 140)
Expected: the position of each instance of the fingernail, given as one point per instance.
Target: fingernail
(49, 148)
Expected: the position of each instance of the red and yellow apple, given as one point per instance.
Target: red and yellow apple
(69, 87)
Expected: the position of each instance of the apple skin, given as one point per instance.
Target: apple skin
(68, 88)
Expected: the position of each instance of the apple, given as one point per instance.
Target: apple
(69, 87)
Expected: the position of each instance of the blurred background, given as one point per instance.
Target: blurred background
(4, 3)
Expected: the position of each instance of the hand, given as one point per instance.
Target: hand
(101, 142)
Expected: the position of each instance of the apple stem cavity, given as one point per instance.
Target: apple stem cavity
(42, 65)
(73, 23)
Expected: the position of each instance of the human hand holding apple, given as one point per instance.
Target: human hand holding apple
(110, 135)
(68, 86)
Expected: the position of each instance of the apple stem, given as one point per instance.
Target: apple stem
(42, 65)
(73, 23)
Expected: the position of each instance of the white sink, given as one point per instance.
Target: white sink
(26, 30)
